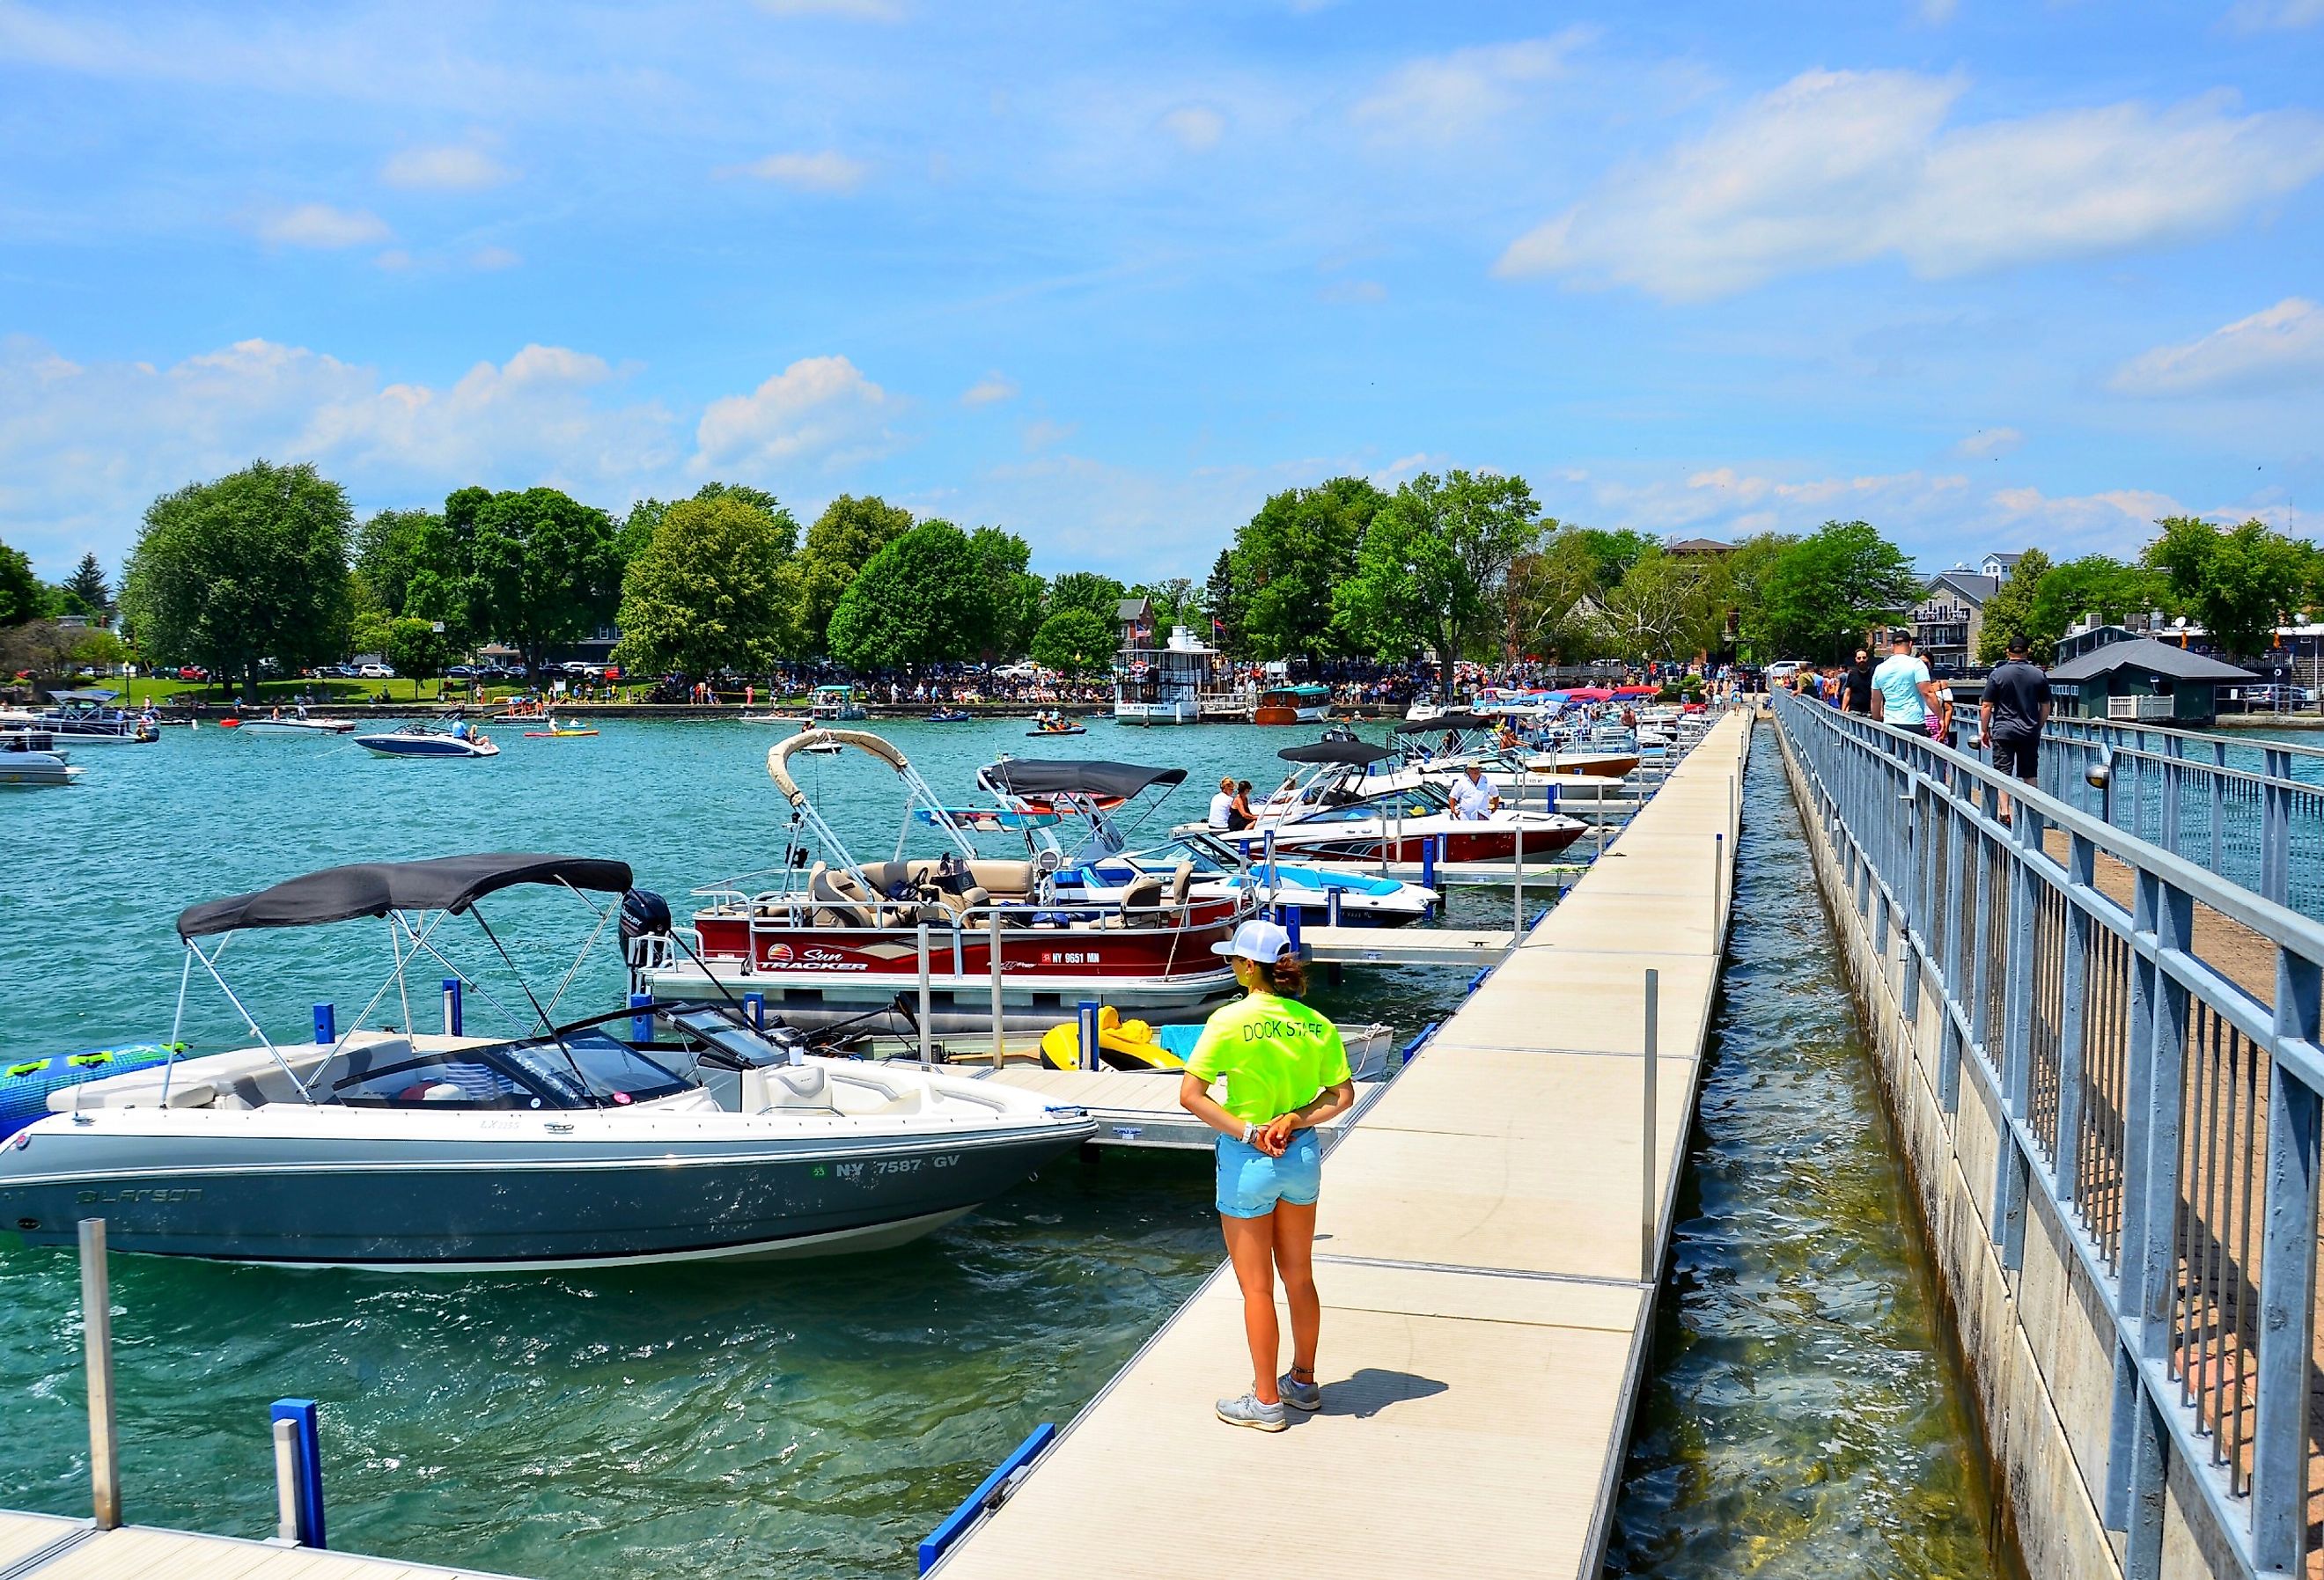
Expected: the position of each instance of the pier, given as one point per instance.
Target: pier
(1489, 1241)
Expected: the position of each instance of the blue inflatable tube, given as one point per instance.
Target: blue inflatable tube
(25, 1085)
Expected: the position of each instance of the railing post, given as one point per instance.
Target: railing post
(2287, 1280)
(2152, 1145)
(96, 1342)
(1000, 1035)
(2065, 1161)
(2009, 1188)
(2275, 828)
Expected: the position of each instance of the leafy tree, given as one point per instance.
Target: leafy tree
(22, 595)
(2236, 581)
(843, 540)
(250, 566)
(544, 566)
(1612, 553)
(1665, 608)
(1075, 641)
(1748, 569)
(416, 651)
(1224, 604)
(395, 545)
(52, 651)
(919, 600)
(636, 528)
(1435, 563)
(1551, 592)
(1290, 555)
(2093, 584)
(708, 593)
(1013, 591)
(1176, 600)
(2010, 611)
(1083, 589)
(1823, 592)
(87, 584)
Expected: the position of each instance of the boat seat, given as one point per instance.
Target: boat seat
(910, 1100)
(804, 1086)
(1182, 880)
(1145, 894)
(835, 894)
(1010, 879)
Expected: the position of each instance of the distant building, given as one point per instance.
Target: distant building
(1951, 614)
(1136, 618)
(2090, 634)
(1697, 547)
(2137, 679)
(1998, 566)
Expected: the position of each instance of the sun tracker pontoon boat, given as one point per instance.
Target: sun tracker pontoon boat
(87, 719)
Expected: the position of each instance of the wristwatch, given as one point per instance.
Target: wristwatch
(1248, 1131)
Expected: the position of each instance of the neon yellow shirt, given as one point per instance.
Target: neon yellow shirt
(1274, 1054)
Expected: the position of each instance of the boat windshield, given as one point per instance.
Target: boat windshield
(601, 1073)
(1196, 853)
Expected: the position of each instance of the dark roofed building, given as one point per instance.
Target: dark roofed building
(1698, 548)
(1951, 614)
(2137, 679)
(1136, 618)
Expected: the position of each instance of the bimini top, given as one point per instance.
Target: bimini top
(1356, 753)
(780, 754)
(1448, 721)
(1037, 776)
(450, 882)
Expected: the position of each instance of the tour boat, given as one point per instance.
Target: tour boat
(29, 760)
(421, 741)
(1182, 683)
(1289, 704)
(1329, 812)
(837, 938)
(86, 718)
(595, 1142)
(309, 727)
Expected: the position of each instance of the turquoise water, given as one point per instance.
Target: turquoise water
(807, 1420)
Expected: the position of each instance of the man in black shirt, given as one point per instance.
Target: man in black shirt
(1856, 692)
(2015, 705)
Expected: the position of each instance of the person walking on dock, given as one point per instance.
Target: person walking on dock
(1856, 697)
(1284, 1071)
(2011, 714)
(1902, 691)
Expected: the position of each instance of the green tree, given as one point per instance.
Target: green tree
(1289, 557)
(707, 592)
(919, 600)
(1222, 604)
(1665, 608)
(250, 566)
(544, 566)
(395, 545)
(2010, 611)
(2093, 584)
(22, 594)
(636, 528)
(416, 651)
(1083, 589)
(1433, 566)
(1551, 595)
(1014, 592)
(87, 586)
(843, 540)
(1074, 640)
(1177, 600)
(1823, 593)
(1748, 568)
(2237, 582)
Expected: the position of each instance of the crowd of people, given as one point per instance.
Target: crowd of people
(1899, 690)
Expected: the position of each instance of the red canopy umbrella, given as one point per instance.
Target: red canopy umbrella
(1589, 694)
(1637, 690)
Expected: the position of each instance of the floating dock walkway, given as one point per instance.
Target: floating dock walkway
(1489, 1241)
(44, 1547)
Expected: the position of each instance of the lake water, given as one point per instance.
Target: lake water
(818, 1420)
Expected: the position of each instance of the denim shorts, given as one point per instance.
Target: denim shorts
(1250, 1182)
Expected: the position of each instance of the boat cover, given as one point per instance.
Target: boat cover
(1448, 721)
(1351, 751)
(450, 882)
(1054, 776)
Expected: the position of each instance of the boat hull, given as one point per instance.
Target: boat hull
(430, 747)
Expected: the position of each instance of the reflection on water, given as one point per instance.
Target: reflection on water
(1806, 1414)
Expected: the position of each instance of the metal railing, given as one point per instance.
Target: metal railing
(2170, 1113)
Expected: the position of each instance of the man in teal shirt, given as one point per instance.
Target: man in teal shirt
(1902, 691)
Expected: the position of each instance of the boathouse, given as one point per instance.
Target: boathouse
(2142, 681)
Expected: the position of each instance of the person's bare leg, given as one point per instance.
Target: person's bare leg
(1295, 1260)
(1250, 1244)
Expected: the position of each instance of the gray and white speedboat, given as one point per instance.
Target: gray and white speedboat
(575, 1145)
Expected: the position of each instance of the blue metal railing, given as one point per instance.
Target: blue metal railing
(2166, 1101)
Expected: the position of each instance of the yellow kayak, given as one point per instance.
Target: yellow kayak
(1121, 1045)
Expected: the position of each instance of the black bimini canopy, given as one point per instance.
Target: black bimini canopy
(1349, 752)
(1037, 776)
(451, 883)
(1447, 721)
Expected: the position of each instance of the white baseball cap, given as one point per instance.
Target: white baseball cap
(1262, 941)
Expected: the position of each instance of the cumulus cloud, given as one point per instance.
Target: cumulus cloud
(826, 171)
(1448, 98)
(452, 168)
(989, 391)
(1989, 443)
(818, 409)
(2279, 348)
(1842, 167)
(319, 225)
(1196, 127)
(2119, 521)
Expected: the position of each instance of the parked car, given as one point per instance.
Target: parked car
(192, 672)
(1781, 671)
(374, 672)
(1024, 670)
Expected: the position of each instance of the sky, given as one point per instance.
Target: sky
(1985, 274)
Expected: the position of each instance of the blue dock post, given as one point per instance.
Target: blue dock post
(1428, 863)
(754, 1006)
(641, 1025)
(1089, 1034)
(306, 1467)
(1290, 915)
(327, 1024)
(1331, 905)
(452, 1007)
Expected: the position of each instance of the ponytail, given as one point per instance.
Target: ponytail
(1286, 977)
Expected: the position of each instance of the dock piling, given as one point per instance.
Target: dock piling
(1650, 1200)
(927, 1052)
(327, 1024)
(1516, 876)
(452, 1016)
(286, 1482)
(1000, 1035)
(642, 1023)
(1089, 1034)
(754, 1007)
(96, 1340)
(296, 1418)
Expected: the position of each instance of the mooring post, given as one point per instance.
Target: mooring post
(327, 1025)
(286, 1482)
(1090, 1032)
(927, 1053)
(97, 1341)
(641, 1025)
(1000, 1035)
(754, 1006)
(1330, 904)
(306, 1436)
(1651, 1197)
(1516, 875)
(1428, 864)
(452, 1006)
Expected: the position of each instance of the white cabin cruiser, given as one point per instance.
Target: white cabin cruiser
(29, 760)
(554, 1146)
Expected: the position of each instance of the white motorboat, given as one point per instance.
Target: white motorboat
(29, 760)
(586, 1144)
(298, 726)
(421, 741)
(88, 718)
(1330, 811)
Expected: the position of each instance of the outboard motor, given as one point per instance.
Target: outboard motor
(645, 918)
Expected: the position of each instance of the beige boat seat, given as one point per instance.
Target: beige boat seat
(803, 1087)
(838, 898)
(1010, 880)
(1145, 894)
(1182, 881)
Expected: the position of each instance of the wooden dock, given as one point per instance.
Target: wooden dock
(43, 1547)
(1489, 1247)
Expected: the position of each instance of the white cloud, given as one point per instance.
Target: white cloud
(2117, 522)
(1842, 167)
(850, 10)
(2268, 16)
(989, 391)
(493, 258)
(1353, 293)
(1041, 434)
(319, 225)
(826, 171)
(818, 409)
(454, 167)
(2279, 348)
(1989, 443)
(1447, 98)
(1198, 127)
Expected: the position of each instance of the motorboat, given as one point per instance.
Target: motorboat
(795, 721)
(950, 716)
(27, 1084)
(296, 725)
(1103, 868)
(416, 740)
(1060, 727)
(1443, 746)
(29, 760)
(829, 936)
(1139, 1046)
(835, 704)
(88, 718)
(1289, 703)
(1328, 811)
(617, 1139)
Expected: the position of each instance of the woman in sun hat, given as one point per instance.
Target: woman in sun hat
(1277, 1069)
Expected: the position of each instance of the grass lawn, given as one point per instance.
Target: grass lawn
(167, 689)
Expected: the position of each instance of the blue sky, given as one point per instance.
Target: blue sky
(1983, 274)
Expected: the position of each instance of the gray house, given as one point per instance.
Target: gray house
(2139, 681)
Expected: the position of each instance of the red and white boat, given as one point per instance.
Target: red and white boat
(840, 938)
